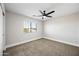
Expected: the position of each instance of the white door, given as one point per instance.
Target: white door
(1, 32)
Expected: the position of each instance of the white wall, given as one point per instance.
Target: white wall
(65, 28)
(1, 31)
(4, 40)
(14, 29)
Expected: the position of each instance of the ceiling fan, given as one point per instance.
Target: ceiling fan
(44, 14)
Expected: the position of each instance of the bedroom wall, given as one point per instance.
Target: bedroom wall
(64, 28)
(14, 29)
(4, 31)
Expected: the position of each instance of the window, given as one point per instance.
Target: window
(33, 27)
(30, 26)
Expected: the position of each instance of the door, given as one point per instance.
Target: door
(1, 32)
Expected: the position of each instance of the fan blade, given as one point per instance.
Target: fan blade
(50, 12)
(48, 16)
(41, 12)
(37, 15)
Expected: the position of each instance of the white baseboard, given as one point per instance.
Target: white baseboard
(12, 45)
(65, 42)
(73, 44)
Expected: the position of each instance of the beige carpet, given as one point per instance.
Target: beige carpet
(43, 47)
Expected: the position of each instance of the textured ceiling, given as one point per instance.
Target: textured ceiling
(30, 9)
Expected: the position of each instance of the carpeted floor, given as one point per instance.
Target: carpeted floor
(43, 47)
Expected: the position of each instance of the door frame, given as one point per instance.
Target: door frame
(3, 13)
